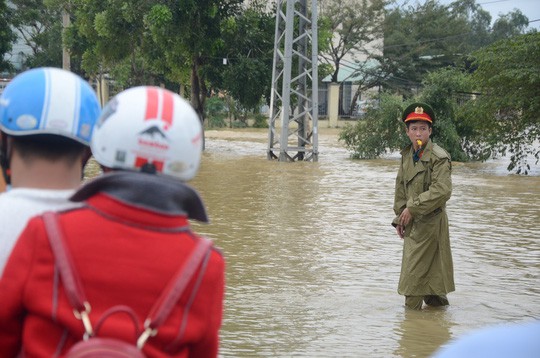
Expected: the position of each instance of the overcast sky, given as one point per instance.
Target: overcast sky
(530, 8)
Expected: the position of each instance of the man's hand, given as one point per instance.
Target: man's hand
(405, 217)
(400, 231)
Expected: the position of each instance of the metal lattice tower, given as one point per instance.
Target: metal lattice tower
(294, 97)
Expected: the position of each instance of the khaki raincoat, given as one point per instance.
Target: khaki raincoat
(424, 188)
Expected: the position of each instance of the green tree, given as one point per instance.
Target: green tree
(478, 23)
(6, 36)
(447, 90)
(110, 37)
(354, 26)
(379, 132)
(505, 117)
(512, 24)
(40, 28)
(425, 37)
(197, 27)
(248, 44)
(149, 42)
(419, 39)
(382, 130)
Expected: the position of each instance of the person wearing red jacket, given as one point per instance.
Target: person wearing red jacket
(127, 240)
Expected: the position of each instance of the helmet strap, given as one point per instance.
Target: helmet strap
(4, 158)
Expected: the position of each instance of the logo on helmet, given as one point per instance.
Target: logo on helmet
(159, 114)
(153, 138)
(26, 121)
(154, 131)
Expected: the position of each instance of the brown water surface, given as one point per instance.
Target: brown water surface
(313, 263)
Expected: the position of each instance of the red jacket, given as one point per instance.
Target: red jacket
(127, 242)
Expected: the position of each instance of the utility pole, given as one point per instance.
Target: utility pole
(66, 61)
(294, 94)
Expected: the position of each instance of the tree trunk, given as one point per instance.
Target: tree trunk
(198, 93)
(66, 61)
(197, 100)
(354, 100)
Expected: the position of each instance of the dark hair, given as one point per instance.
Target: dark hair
(49, 147)
(430, 125)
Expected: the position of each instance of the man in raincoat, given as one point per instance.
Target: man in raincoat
(423, 186)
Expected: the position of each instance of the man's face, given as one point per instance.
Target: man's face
(418, 130)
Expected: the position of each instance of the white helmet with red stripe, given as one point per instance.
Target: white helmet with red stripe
(149, 127)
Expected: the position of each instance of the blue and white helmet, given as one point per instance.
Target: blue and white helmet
(49, 101)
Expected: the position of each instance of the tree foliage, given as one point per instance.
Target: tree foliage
(447, 90)
(421, 38)
(382, 131)
(198, 27)
(110, 37)
(353, 26)
(6, 36)
(40, 28)
(248, 45)
(506, 26)
(379, 132)
(486, 95)
(506, 117)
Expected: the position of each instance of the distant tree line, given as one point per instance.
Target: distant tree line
(193, 47)
(483, 81)
(481, 76)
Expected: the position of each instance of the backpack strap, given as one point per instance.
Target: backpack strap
(73, 286)
(170, 296)
(70, 279)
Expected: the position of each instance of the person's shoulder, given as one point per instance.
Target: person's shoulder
(217, 255)
(406, 149)
(215, 268)
(17, 203)
(439, 152)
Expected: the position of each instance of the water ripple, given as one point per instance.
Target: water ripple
(313, 263)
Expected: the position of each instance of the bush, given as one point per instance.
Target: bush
(215, 112)
(260, 121)
(378, 132)
(238, 124)
(216, 121)
(442, 91)
(215, 106)
(382, 130)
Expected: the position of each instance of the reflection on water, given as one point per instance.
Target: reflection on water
(422, 332)
(313, 263)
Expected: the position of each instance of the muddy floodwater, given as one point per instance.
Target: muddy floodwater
(313, 263)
